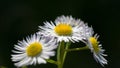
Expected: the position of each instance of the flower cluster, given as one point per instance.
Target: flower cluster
(39, 47)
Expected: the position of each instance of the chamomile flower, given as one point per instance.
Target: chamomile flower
(65, 28)
(33, 50)
(96, 48)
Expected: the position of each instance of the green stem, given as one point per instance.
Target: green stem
(3, 67)
(65, 52)
(24, 67)
(58, 56)
(78, 49)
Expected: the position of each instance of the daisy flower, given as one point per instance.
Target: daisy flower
(65, 28)
(95, 46)
(33, 50)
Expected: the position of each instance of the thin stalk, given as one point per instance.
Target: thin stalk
(65, 52)
(77, 49)
(3, 67)
(59, 54)
(24, 67)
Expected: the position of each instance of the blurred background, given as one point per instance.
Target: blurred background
(19, 19)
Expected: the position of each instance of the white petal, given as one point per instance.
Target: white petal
(40, 60)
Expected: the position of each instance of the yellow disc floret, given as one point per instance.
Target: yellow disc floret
(63, 29)
(94, 43)
(34, 49)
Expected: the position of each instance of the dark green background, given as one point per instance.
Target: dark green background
(19, 19)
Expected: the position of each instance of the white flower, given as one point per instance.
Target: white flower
(96, 48)
(65, 28)
(33, 50)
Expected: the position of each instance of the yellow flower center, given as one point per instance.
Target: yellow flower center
(63, 29)
(34, 49)
(94, 43)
